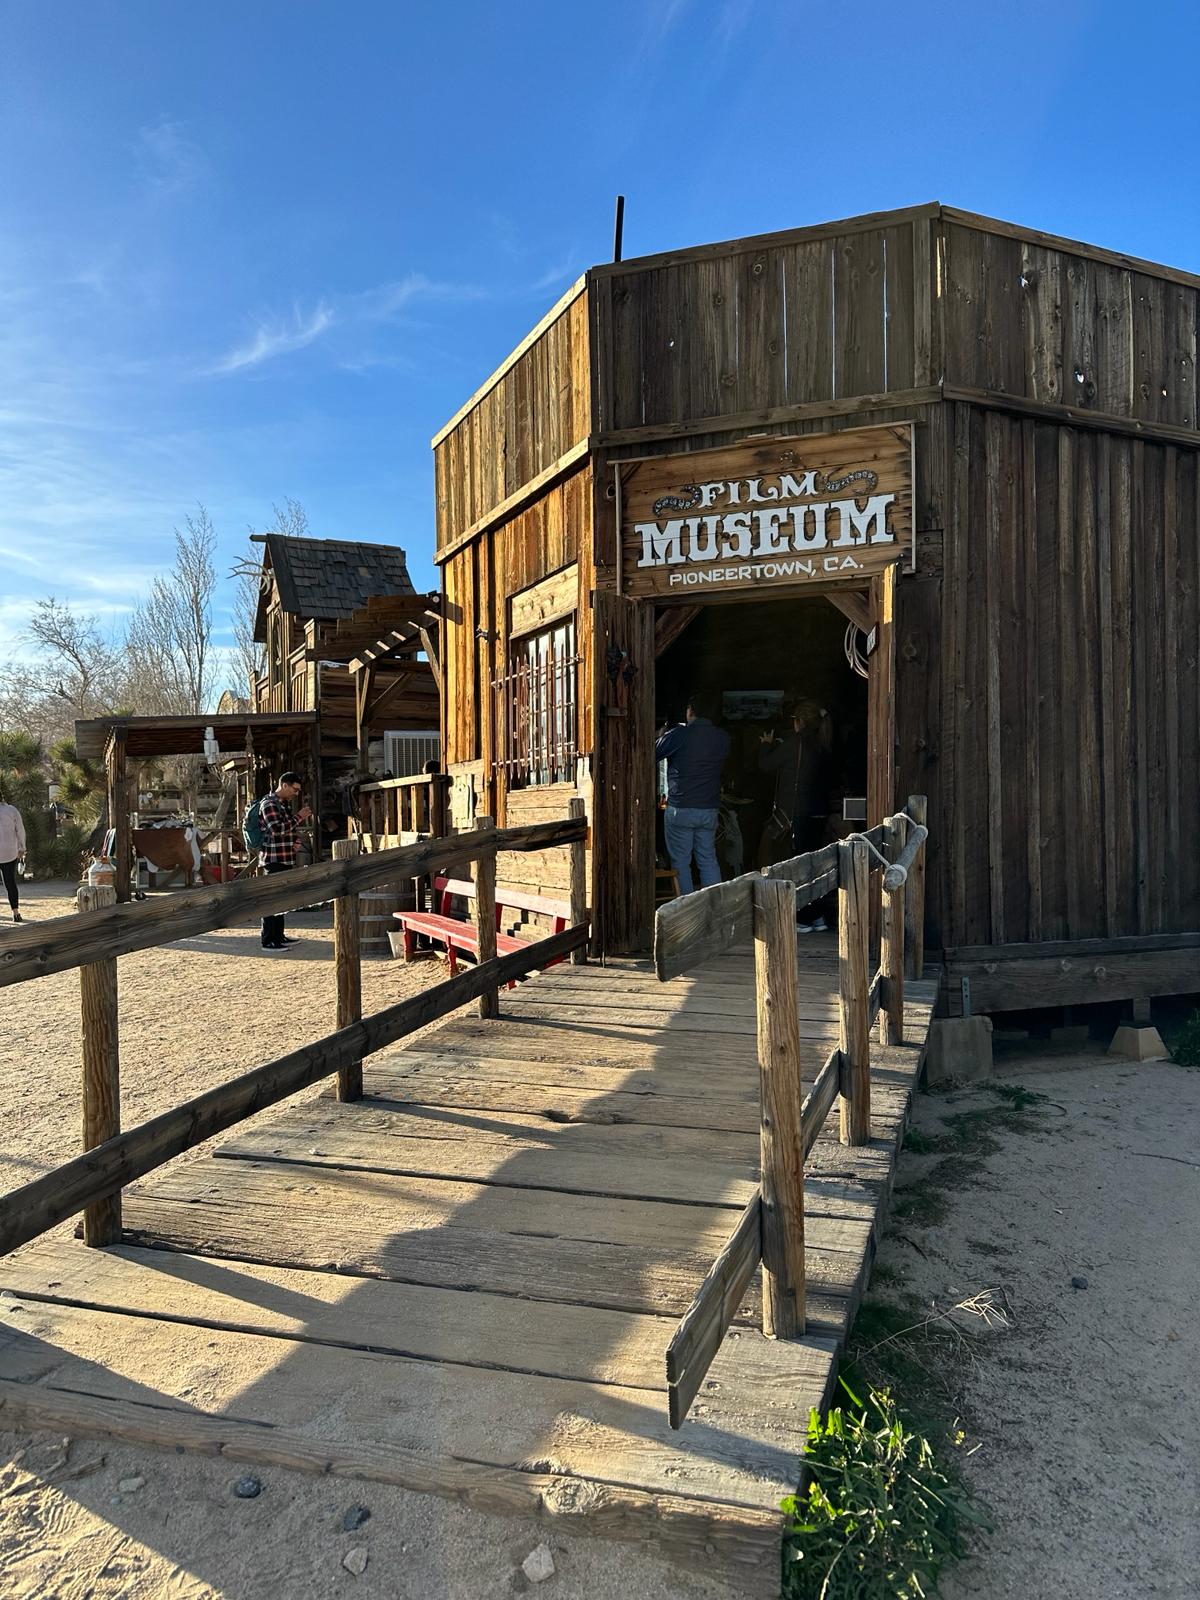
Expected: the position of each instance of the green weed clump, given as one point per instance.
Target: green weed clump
(1185, 1047)
(879, 1517)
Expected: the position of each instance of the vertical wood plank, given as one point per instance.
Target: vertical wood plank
(1031, 658)
(955, 706)
(485, 911)
(347, 962)
(808, 291)
(578, 895)
(854, 991)
(923, 297)
(117, 772)
(1068, 643)
(1140, 643)
(917, 807)
(781, 1143)
(762, 365)
(891, 951)
(1108, 693)
(1170, 651)
(858, 331)
(101, 1067)
(994, 426)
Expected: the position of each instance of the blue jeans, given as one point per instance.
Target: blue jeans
(692, 831)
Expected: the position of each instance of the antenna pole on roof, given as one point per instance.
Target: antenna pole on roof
(618, 227)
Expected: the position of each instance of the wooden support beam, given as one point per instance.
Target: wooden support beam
(780, 1138)
(363, 683)
(891, 950)
(854, 605)
(348, 966)
(116, 774)
(577, 810)
(101, 1068)
(485, 914)
(400, 681)
(430, 641)
(854, 989)
(670, 624)
(37, 1206)
(698, 1337)
(914, 896)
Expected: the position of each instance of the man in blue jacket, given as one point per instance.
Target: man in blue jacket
(695, 752)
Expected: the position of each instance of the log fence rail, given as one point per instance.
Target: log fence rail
(885, 862)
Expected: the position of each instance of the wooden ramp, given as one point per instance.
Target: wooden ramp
(465, 1283)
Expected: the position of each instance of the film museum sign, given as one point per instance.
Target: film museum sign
(767, 513)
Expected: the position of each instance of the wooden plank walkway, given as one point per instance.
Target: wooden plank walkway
(466, 1282)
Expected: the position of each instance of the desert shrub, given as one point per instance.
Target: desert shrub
(879, 1517)
(1185, 1047)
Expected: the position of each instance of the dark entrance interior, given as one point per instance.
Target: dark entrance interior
(753, 661)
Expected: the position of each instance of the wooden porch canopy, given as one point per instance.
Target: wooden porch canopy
(116, 740)
(380, 643)
(150, 737)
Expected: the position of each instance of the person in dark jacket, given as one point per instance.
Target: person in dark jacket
(695, 752)
(800, 762)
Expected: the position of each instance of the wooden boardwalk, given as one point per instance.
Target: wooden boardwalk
(465, 1283)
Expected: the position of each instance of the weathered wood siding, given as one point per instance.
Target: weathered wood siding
(524, 420)
(1031, 317)
(1069, 788)
(757, 324)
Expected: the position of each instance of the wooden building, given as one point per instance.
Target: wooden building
(1001, 427)
(345, 634)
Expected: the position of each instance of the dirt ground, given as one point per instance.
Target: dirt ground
(1064, 1229)
(1079, 1404)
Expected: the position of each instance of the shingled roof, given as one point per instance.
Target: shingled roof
(330, 578)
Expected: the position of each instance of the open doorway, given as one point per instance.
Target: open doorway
(755, 663)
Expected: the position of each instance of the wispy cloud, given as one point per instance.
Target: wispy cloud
(352, 314)
(272, 339)
(170, 162)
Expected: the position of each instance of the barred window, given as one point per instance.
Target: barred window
(536, 707)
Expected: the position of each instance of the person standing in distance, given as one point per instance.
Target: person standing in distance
(280, 826)
(695, 752)
(12, 850)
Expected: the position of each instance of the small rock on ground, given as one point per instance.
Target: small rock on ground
(248, 1488)
(355, 1560)
(538, 1565)
(354, 1518)
(131, 1485)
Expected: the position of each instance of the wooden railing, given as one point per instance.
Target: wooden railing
(395, 811)
(762, 907)
(103, 931)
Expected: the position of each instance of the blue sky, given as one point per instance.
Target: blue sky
(265, 249)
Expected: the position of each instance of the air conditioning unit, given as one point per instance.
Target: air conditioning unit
(406, 754)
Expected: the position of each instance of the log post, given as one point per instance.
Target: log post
(914, 896)
(578, 811)
(780, 1142)
(891, 948)
(101, 1068)
(116, 773)
(854, 989)
(348, 964)
(225, 878)
(485, 911)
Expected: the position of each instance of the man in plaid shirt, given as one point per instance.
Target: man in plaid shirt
(281, 843)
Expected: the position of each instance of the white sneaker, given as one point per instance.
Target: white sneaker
(819, 926)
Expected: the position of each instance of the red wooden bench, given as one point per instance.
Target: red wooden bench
(458, 934)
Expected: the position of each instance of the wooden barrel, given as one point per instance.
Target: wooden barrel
(375, 907)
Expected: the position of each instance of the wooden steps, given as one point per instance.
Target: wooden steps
(466, 1282)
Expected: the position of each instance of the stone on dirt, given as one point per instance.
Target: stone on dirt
(960, 1050)
(131, 1485)
(538, 1565)
(1138, 1044)
(355, 1517)
(355, 1560)
(248, 1488)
